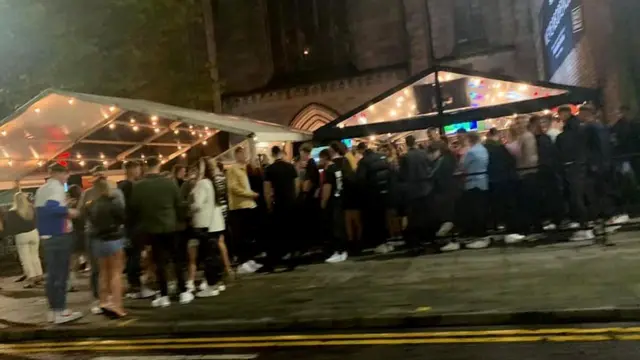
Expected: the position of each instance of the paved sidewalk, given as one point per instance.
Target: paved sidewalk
(557, 277)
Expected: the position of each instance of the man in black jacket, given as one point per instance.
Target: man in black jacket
(415, 176)
(548, 176)
(373, 176)
(572, 147)
(502, 182)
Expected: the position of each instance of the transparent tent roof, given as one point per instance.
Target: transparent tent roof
(459, 92)
(82, 130)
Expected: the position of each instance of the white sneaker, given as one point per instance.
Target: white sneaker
(573, 225)
(210, 292)
(582, 235)
(513, 238)
(222, 287)
(66, 316)
(384, 249)
(186, 297)
(146, 293)
(96, 309)
(191, 286)
(549, 227)
(621, 219)
(51, 316)
(479, 244)
(255, 265)
(452, 246)
(445, 229)
(161, 302)
(345, 256)
(245, 268)
(337, 258)
(203, 285)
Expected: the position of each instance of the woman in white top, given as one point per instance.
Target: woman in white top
(208, 224)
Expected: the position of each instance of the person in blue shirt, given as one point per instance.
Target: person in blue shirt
(54, 227)
(475, 163)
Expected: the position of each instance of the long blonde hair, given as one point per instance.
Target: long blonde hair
(22, 206)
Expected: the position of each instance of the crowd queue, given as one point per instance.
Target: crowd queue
(159, 228)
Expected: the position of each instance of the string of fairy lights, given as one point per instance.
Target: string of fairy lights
(134, 124)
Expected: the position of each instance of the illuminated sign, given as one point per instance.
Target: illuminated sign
(562, 28)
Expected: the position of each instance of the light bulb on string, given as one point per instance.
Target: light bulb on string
(154, 118)
(112, 126)
(204, 142)
(4, 133)
(156, 130)
(132, 120)
(142, 156)
(10, 162)
(105, 163)
(193, 133)
(71, 101)
(393, 113)
(81, 163)
(176, 131)
(101, 156)
(179, 147)
(112, 108)
(79, 156)
(39, 163)
(200, 135)
(37, 110)
(523, 87)
(184, 155)
(190, 127)
(160, 156)
(135, 128)
(547, 112)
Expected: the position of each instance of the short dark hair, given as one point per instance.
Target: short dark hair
(153, 162)
(132, 164)
(325, 154)
(276, 151)
(437, 146)
(306, 147)
(493, 131)
(473, 137)
(461, 131)
(534, 119)
(238, 149)
(362, 146)
(58, 169)
(564, 109)
(97, 169)
(410, 140)
(338, 147)
(177, 167)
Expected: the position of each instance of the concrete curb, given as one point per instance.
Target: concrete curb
(371, 323)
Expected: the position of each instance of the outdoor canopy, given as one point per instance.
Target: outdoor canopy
(442, 96)
(83, 130)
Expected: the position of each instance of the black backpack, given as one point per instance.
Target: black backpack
(107, 218)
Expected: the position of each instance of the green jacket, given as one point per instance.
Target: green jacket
(156, 201)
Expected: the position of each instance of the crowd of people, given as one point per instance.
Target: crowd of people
(159, 228)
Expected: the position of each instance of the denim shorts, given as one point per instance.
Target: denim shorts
(103, 248)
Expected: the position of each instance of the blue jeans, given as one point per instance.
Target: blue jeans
(57, 255)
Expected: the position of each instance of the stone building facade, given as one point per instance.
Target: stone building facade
(303, 62)
(606, 54)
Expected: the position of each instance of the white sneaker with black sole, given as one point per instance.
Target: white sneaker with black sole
(161, 302)
(337, 258)
(445, 229)
(245, 269)
(254, 265)
(191, 286)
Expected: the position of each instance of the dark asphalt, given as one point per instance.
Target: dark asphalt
(538, 351)
(584, 342)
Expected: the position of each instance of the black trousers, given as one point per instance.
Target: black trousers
(420, 223)
(335, 228)
(242, 223)
(599, 194)
(575, 177)
(282, 239)
(551, 200)
(473, 210)
(374, 221)
(134, 270)
(164, 248)
(502, 198)
(528, 208)
(209, 253)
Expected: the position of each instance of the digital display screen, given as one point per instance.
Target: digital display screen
(315, 153)
(469, 126)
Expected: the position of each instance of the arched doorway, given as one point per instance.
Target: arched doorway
(312, 117)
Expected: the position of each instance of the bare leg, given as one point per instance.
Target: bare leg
(224, 254)
(115, 273)
(192, 252)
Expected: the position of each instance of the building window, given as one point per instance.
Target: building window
(469, 24)
(308, 35)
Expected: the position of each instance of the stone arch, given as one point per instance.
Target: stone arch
(312, 117)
